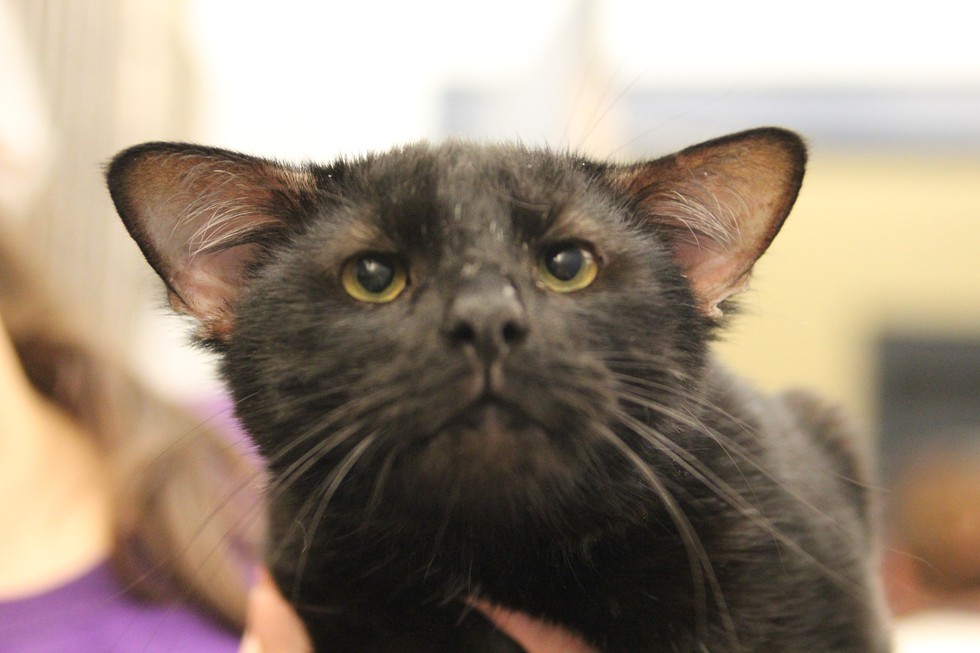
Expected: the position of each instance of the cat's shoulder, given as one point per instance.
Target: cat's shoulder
(795, 428)
(829, 427)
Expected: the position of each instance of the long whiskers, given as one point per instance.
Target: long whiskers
(321, 497)
(680, 456)
(735, 451)
(702, 571)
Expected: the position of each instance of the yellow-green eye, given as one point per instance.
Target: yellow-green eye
(567, 268)
(376, 278)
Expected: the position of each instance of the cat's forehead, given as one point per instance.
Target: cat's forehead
(469, 193)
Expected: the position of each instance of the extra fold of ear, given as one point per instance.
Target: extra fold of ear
(202, 216)
(720, 203)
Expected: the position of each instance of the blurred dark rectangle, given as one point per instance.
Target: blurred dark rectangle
(928, 397)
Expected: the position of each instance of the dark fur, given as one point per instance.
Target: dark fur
(614, 479)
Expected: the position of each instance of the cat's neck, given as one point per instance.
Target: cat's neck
(54, 501)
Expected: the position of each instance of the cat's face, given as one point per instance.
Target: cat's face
(467, 314)
(457, 326)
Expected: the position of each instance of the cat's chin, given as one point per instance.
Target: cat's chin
(492, 451)
(496, 437)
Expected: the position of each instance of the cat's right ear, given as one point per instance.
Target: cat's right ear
(202, 217)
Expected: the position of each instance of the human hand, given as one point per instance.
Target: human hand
(534, 635)
(273, 626)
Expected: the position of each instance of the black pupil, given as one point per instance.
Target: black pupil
(375, 273)
(565, 264)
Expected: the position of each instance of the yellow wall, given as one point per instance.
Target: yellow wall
(874, 243)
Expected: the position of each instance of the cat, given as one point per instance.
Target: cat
(483, 373)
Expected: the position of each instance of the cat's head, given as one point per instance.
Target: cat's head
(461, 322)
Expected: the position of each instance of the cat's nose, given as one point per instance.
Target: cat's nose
(488, 316)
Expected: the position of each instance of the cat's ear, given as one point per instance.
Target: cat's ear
(203, 216)
(720, 203)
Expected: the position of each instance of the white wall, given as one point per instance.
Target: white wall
(298, 78)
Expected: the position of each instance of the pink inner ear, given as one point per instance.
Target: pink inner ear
(713, 276)
(209, 285)
(201, 216)
(722, 203)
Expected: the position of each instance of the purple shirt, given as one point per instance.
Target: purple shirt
(94, 614)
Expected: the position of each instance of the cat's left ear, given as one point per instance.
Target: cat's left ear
(720, 204)
(204, 217)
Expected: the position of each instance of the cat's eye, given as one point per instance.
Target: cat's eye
(374, 277)
(568, 267)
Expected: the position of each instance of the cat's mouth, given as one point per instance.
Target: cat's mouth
(493, 416)
(490, 456)
(492, 430)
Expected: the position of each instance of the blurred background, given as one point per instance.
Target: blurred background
(870, 295)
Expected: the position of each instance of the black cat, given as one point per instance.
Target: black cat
(482, 372)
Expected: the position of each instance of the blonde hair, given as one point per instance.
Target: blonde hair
(187, 513)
